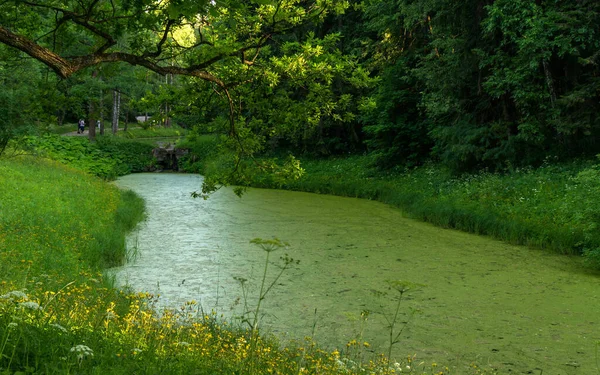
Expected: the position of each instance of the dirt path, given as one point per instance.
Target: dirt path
(75, 134)
(86, 132)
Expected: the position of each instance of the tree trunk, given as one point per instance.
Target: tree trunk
(126, 117)
(169, 81)
(146, 109)
(116, 110)
(91, 125)
(101, 128)
(549, 82)
(92, 115)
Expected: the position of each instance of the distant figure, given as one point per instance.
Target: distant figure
(81, 126)
(98, 124)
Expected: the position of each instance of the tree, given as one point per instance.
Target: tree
(28, 96)
(484, 83)
(224, 39)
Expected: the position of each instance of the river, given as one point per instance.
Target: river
(481, 301)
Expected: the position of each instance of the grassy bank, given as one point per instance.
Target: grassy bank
(59, 228)
(108, 157)
(139, 132)
(552, 207)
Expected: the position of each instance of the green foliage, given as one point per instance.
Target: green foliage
(131, 156)
(108, 158)
(200, 149)
(494, 85)
(153, 132)
(397, 133)
(23, 98)
(474, 84)
(226, 170)
(318, 96)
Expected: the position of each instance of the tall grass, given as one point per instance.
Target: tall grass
(62, 129)
(55, 217)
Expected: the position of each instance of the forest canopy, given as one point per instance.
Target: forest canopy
(471, 84)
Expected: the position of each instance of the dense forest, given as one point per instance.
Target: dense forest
(472, 84)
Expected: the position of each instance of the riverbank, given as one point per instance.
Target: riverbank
(59, 229)
(553, 207)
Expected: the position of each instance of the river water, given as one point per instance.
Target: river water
(481, 301)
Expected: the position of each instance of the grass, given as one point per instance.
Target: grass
(59, 228)
(62, 129)
(153, 132)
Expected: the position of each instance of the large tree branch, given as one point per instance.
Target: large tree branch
(66, 67)
(53, 60)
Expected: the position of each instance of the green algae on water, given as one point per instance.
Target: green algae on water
(506, 307)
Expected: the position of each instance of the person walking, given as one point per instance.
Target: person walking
(81, 126)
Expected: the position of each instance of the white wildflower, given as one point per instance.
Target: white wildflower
(15, 294)
(110, 315)
(183, 343)
(340, 364)
(82, 351)
(59, 327)
(30, 305)
(12, 325)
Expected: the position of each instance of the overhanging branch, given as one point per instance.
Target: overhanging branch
(66, 67)
(51, 59)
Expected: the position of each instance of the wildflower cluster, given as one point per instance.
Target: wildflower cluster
(133, 331)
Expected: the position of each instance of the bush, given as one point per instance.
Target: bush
(108, 158)
(201, 147)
